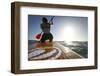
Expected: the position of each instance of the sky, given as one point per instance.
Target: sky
(64, 28)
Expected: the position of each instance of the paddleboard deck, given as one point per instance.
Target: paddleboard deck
(51, 51)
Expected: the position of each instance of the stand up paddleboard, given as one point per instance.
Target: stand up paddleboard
(56, 51)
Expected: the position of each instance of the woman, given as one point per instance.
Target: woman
(46, 26)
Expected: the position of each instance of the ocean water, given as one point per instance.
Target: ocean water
(80, 47)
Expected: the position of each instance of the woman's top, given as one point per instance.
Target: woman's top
(45, 27)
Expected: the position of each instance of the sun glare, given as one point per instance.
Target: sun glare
(68, 33)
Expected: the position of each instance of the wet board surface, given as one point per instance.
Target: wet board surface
(57, 51)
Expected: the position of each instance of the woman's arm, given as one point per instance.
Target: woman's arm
(51, 21)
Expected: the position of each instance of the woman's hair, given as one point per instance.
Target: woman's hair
(44, 19)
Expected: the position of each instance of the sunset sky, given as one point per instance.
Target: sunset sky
(65, 28)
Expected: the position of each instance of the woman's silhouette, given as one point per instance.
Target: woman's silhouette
(46, 26)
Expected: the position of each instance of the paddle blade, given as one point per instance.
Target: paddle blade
(38, 36)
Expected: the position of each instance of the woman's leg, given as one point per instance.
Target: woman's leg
(50, 37)
(44, 37)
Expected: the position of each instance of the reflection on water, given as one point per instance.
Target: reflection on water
(81, 47)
